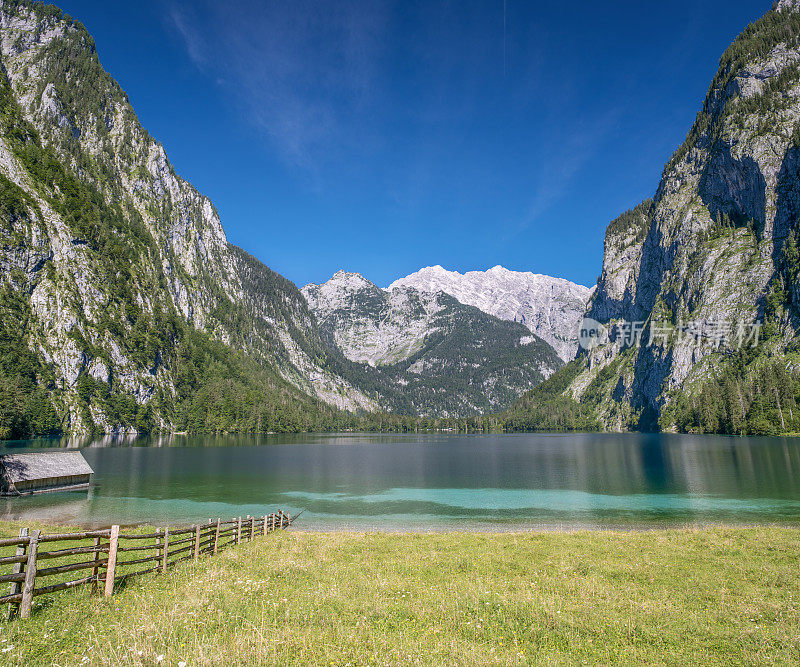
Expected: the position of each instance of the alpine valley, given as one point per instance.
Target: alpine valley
(123, 308)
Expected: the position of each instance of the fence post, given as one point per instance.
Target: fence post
(239, 530)
(111, 565)
(196, 541)
(16, 586)
(252, 528)
(166, 550)
(30, 576)
(265, 524)
(96, 566)
(216, 538)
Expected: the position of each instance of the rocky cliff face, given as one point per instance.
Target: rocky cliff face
(550, 307)
(711, 245)
(431, 354)
(103, 243)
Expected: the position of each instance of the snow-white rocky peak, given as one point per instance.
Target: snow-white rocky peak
(371, 325)
(551, 308)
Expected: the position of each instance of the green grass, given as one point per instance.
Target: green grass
(710, 596)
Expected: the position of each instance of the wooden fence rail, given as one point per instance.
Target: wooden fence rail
(112, 553)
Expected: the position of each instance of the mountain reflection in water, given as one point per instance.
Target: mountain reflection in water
(431, 482)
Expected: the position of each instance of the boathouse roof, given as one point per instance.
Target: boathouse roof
(28, 467)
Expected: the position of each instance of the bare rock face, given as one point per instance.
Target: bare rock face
(708, 247)
(550, 307)
(614, 297)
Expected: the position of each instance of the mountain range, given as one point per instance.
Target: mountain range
(449, 358)
(551, 308)
(124, 307)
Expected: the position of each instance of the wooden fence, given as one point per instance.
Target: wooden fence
(110, 554)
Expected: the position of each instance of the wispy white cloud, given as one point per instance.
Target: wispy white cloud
(303, 72)
(313, 77)
(180, 19)
(563, 160)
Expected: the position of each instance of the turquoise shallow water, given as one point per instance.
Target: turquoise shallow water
(443, 482)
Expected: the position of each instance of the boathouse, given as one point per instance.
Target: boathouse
(22, 474)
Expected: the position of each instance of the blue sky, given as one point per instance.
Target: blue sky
(381, 136)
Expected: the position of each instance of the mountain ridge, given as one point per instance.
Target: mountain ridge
(447, 358)
(550, 307)
(137, 312)
(124, 308)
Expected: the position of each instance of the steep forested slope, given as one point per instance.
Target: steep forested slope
(121, 297)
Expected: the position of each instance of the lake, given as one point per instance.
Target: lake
(430, 482)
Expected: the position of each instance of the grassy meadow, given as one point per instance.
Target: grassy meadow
(726, 596)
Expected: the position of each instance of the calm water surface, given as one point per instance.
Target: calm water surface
(431, 482)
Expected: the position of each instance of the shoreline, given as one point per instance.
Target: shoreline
(112, 439)
(546, 530)
(563, 529)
